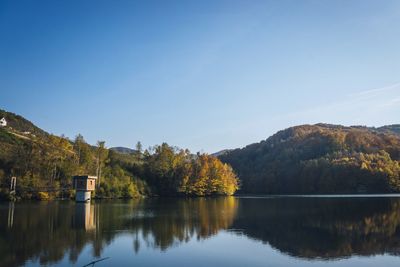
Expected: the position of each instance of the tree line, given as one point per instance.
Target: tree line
(50, 162)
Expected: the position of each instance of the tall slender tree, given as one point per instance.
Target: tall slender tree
(102, 154)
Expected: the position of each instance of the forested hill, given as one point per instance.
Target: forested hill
(45, 163)
(318, 158)
(321, 158)
(20, 124)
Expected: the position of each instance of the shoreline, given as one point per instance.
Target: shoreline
(249, 196)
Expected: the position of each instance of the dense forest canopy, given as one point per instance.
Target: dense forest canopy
(309, 159)
(43, 161)
(321, 158)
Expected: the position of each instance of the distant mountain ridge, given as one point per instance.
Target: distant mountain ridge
(123, 150)
(321, 158)
(221, 152)
(394, 128)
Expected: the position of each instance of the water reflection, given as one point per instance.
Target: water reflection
(10, 217)
(46, 232)
(84, 216)
(310, 228)
(323, 228)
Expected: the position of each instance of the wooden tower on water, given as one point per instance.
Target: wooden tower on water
(84, 185)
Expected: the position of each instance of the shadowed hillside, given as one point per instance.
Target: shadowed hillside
(320, 158)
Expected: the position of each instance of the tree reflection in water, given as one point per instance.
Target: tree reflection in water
(323, 228)
(47, 231)
(310, 228)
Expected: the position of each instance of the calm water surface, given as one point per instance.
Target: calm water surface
(273, 231)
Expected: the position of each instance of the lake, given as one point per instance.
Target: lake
(225, 231)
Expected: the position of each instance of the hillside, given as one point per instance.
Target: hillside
(20, 124)
(44, 165)
(309, 159)
(320, 158)
(394, 129)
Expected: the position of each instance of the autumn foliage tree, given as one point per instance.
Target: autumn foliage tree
(173, 171)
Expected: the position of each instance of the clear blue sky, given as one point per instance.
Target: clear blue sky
(203, 75)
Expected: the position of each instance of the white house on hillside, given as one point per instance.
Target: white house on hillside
(3, 122)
